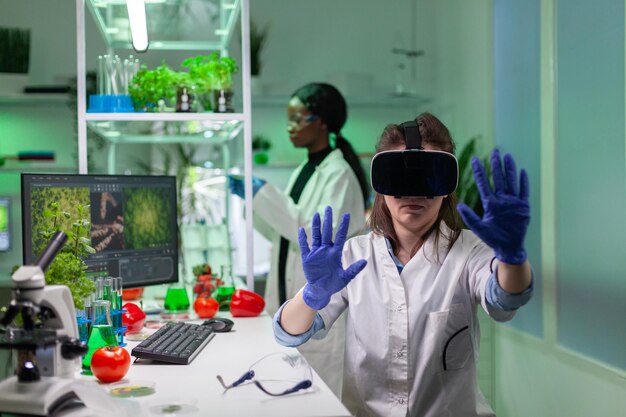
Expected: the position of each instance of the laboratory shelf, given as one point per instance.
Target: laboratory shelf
(173, 117)
(201, 26)
(169, 23)
(167, 131)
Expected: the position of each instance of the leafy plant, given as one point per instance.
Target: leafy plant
(258, 38)
(201, 269)
(14, 50)
(467, 191)
(225, 69)
(150, 86)
(211, 72)
(261, 143)
(200, 72)
(69, 268)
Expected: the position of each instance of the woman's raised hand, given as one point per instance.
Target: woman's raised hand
(506, 209)
(322, 261)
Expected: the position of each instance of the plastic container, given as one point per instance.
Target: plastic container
(108, 103)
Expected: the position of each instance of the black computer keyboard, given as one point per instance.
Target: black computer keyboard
(175, 343)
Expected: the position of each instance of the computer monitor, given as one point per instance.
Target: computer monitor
(5, 224)
(133, 222)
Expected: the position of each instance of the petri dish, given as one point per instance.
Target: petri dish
(131, 389)
(173, 406)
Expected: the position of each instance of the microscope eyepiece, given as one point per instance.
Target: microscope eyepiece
(48, 254)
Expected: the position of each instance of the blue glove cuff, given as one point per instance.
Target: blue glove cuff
(516, 258)
(313, 300)
(257, 183)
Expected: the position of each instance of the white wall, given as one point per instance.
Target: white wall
(348, 43)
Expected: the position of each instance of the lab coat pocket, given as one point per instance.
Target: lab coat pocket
(457, 346)
(447, 340)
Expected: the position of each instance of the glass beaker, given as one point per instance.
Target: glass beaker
(101, 333)
(176, 300)
(224, 292)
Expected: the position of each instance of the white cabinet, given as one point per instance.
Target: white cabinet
(173, 26)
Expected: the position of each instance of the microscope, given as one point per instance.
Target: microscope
(46, 342)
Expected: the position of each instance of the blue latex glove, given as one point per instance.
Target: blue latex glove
(236, 185)
(507, 212)
(322, 262)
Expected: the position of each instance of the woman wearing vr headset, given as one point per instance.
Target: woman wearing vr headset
(327, 177)
(413, 284)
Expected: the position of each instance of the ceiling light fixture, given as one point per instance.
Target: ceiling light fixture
(138, 26)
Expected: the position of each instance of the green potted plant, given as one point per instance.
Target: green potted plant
(258, 40)
(14, 59)
(155, 90)
(225, 67)
(185, 93)
(260, 146)
(68, 268)
(467, 191)
(200, 77)
(213, 73)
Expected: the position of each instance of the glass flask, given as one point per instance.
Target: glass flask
(224, 291)
(176, 300)
(101, 333)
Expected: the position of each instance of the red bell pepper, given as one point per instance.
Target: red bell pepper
(246, 303)
(133, 318)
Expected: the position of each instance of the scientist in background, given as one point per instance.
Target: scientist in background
(327, 177)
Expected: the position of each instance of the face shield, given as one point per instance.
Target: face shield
(414, 172)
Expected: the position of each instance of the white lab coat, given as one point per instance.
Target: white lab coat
(399, 326)
(332, 184)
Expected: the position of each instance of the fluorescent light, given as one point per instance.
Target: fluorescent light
(138, 27)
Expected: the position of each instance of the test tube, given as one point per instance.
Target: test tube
(116, 313)
(126, 67)
(107, 293)
(118, 75)
(98, 291)
(106, 74)
(89, 315)
(82, 322)
(100, 76)
(119, 288)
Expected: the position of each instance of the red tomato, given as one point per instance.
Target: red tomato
(133, 318)
(246, 303)
(110, 363)
(205, 277)
(205, 307)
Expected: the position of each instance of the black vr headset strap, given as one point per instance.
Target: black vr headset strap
(412, 135)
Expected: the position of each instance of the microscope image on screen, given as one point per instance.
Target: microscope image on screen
(132, 222)
(55, 209)
(107, 221)
(147, 214)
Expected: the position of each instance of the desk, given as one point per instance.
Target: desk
(230, 354)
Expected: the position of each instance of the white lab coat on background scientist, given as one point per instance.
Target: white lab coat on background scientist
(328, 177)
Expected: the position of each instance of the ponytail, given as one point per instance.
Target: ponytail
(353, 160)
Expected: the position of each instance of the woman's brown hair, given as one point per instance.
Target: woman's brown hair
(436, 134)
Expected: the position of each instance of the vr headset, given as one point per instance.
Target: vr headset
(414, 172)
